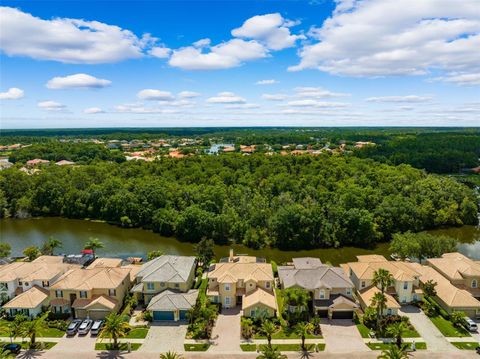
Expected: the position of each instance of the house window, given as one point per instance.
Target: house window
(474, 283)
(20, 283)
(405, 285)
(45, 283)
(363, 284)
(349, 291)
(151, 286)
(162, 284)
(25, 284)
(227, 288)
(57, 310)
(3, 286)
(177, 285)
(252, 312)
(227, 300)
(112, 292)
(267, 285)
(389, 311)
(83, 294)
(59, 294)
(322, 294)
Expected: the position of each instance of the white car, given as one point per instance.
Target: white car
(85, 327)
(470, 325)
(96, 327)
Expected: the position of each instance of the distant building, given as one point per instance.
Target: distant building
(37, 161)
(64, 163)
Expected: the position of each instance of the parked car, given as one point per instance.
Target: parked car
(73, 327)
(12, 348)
(470, 325)
(85, 327)
(96, 327)
(477, 349)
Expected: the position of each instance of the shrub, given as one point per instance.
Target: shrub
(147, 316)
(246, 327)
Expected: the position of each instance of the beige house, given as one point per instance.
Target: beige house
(30, 303)
(365, 297)
(450, 297)
(245, 281)
(459, 270)
(92, 293)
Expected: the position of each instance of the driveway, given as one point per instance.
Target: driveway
(164, 337)
(74, 344)
(226, 333)
(428, 331)
(342, 336)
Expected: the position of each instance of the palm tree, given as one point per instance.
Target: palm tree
(394, 352)
(33, 328)
(457, 318)
(94, 244)
(15, 328)
(115, 327)
(379, 301)
(50, 245)
(303, 329)
(296, 297)
(268, 328)
(171, 355)
(269, 352)
(382, 279)
(396, 330)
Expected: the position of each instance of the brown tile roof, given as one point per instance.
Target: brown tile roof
(366, 295)
(232, 272)
(29, 299)
(87, 279)
(102, 300)
(364, 269)
(456, 265)
(259, 296)
(106, 263)
(42, 268)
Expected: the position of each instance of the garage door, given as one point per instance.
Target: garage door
(322, 313)
(183, 314)
(347, 314)
(159, 315)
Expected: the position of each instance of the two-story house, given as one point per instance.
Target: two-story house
(330, 288)
(459, 270)
(245, 281)
(405, 288)
(92, 293)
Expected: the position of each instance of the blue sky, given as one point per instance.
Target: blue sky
(239, 63)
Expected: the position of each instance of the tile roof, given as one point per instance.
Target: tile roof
(102, 300)
(306, 262)
(456, 265)
(167, 268)
(172, 300)
(259, 296)
(320, 277)
(365, 270)
(29, 299)
(87, 279)
(231, 272)
(43, 268)
(106, 263)
(367, 296)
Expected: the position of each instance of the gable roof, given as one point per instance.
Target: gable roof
(311, 279)
(106, 262)
(90, 278)
(44, 268)
(172, 300)
(167, 268)
(365, 269)
(306, 262)
(259, 296)
(455, 265)
(231, 272)
(366, 295)
(29, 299)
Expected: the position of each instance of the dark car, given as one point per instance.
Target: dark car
(73, 327)
(12, 348)
(477, 349)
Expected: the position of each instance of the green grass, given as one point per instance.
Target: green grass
(384, 346)
(46, 333)
(362, 328)
(137, 333)
(466, 345)
(122, 346)
(281, 347)
(196, 347)
(286, 333)
(278, 295)
(447, 328)
(411, 333)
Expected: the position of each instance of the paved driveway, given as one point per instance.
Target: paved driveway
(74, 344)
(226, 333)
(165, 337)
(342, 336)
(428, 331)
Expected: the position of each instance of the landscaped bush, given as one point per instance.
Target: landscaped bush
(58, 316)
(147, 316)
(438, 308)
(58, 324)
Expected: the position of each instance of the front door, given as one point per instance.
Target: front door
(227, 302)
(73, 296)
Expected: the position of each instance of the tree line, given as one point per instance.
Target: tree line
(287, 202)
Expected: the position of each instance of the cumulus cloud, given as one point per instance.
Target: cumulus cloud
(160, 52)
(51, 105)
(93, 110)
(13, 93)
(77, 81)
(317, 92)
(271, 29)
(69, 40)
(226, 98)
(465, 79)
(222, 56)
(266, 82)
(275, 96)
(188, 94)
(400, 99)
(385, 37)
(140, 108)
(155, 95)
(315, 103)
(242, 106)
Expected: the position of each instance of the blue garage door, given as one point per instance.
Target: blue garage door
(158, 315)
(183, 314)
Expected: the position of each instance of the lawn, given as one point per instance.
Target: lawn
(137, 333)
(196, 347)
(384, 346)
(466, 345)
(122, 346)
(46, 333)
(362, 328)
(411, 333)
(447, 329)
(286, 333)
(282, 347)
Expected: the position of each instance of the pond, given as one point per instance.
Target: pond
(120, 242)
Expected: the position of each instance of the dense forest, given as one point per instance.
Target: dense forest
(284, 201)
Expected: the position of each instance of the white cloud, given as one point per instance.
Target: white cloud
(266, 82)
(317, 92)
(141, 109)
(270, 29)
(68, 40)
(315, 103)
(155, 95)
(226, 98)
(51, 105)
(386, 37)
(222, 56)
(93, 110)
(243, 106)
(77, 81)
(188, 94)
(466, 79)
(275, 96)
(160, 52)
(397, 99)
(13, 93)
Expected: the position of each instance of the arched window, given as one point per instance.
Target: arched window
(474, 283)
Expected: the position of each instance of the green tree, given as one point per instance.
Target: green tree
(171, 355)
(457, 318)
(154, 254)
(15, 327)
(379, 301)
(269, 352)
(268, 328)
(382, 279)
(204, 251)
(396, 330)
(394, 352)
(33, 328)
(94, 244)
(422, 245)
(303, 330)
(31, 253)
(115, 327)
(429, 288)
(50, 245)
(296, 297)
(5, 250)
